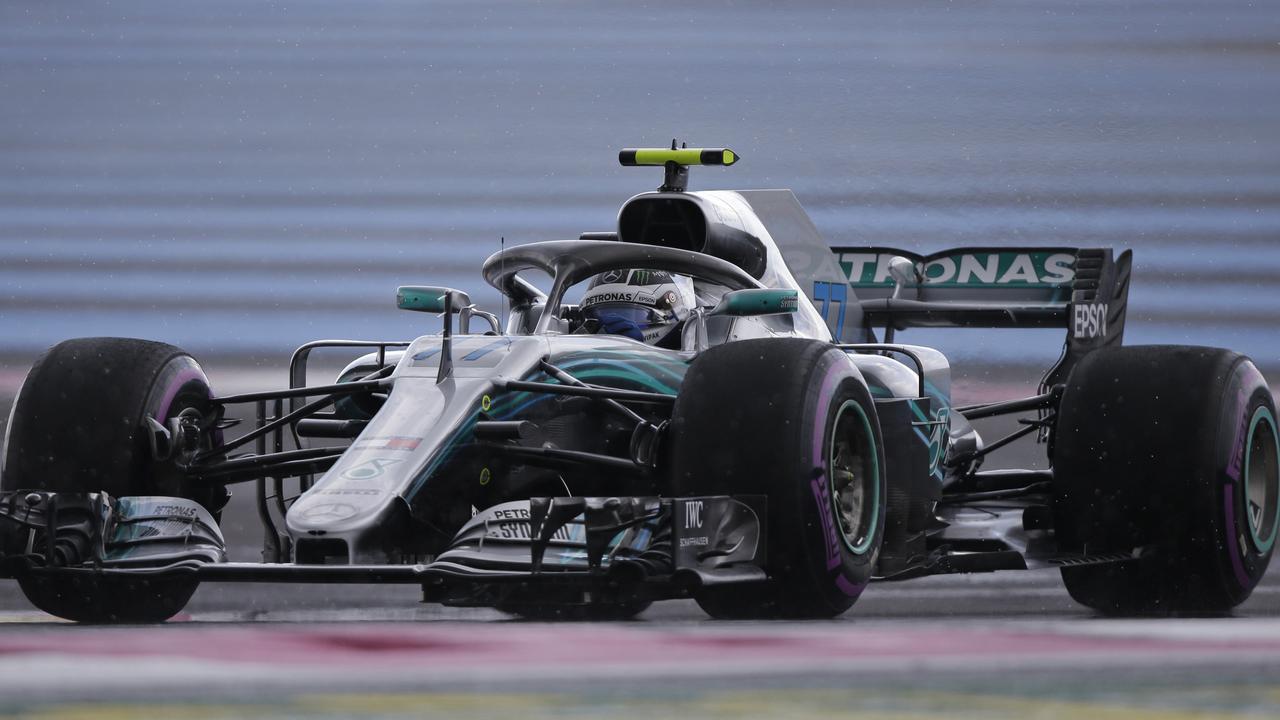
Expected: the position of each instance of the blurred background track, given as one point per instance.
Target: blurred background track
(238, 178)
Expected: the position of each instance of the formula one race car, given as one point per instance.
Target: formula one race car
(768, 458)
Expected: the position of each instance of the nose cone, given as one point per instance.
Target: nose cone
(338, 511)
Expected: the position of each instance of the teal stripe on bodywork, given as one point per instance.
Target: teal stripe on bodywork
(653, 369)
(926, 439)
(627, 371)
(605, 374)
(934, 393)
(529, 400)
(446, 453)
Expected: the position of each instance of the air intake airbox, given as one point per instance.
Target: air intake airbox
(688, 221)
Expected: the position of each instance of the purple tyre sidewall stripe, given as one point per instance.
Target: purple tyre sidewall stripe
(1237, 564)
(829, 383)
(820, 413)
(1236, 473)
(183, 377)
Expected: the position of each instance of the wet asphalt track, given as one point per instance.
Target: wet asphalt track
(238, 178)
(1004, 644)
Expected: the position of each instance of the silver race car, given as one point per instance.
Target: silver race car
(724, 416)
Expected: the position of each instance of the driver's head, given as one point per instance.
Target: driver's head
(644, 305)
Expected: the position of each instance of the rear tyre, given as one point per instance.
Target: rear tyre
(791, 419)
(77, 426)
(1173, 450)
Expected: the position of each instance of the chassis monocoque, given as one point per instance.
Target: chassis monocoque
(782, 453)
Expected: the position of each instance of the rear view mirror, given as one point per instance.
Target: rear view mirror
(760, 301)
(428, 298)
(433, 299)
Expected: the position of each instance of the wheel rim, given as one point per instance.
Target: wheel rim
(854, 472)
(1262, 480)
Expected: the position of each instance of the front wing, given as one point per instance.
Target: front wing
(648, 547)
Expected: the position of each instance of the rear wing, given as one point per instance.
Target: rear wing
(1085, 291)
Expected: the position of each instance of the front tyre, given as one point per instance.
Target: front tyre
(791, 419)
(77, 427)
(1173, 450)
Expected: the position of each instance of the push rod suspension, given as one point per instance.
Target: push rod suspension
(558, 458)
(263, 464)
(290, 468)
(1008, 407)
(592, 392)
(568, 379)
(338, 389)
(262, 431)
(1029, 428)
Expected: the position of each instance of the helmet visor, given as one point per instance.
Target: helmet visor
(638, 314)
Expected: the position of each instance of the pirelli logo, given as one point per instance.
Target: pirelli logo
(1089, 321)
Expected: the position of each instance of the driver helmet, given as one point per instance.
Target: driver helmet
(644, 305)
